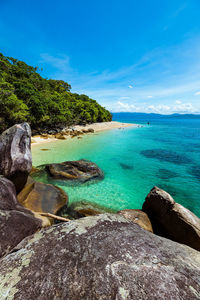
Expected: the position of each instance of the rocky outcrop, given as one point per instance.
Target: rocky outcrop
(16, 222)
(171, 219)
(15, 154)
(102, 257)
(41, 197)
(137, 216)
(80, 170)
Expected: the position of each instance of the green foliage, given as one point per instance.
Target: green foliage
(26, 96)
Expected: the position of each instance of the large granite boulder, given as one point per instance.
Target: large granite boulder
(172, 220)
(137, 216)
(80, 170)
(41, 197)
(16, 222)
(101, 257)
(8, 198)
(14, 227)
(15, 154)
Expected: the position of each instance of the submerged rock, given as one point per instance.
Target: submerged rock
(41, 197)
(80, 170)
(137, 216)
(102, 257)
(16, 222)
(15, 154)
(166, 174)
(82, 209)
(195, 171)
(125, 166)
(171, 219)
(166, 155)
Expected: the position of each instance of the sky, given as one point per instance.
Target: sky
(130, 55)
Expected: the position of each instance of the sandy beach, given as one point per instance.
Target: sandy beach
(97, 127)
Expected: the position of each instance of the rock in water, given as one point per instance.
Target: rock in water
(171, 219)
(80, 209)
(16, 222)
(41, 197)
(101, 257)
(80, 170)
(137, 216)
(15, 154)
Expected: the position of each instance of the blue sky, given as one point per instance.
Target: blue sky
(128, 55)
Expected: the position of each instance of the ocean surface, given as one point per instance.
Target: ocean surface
(165, 153)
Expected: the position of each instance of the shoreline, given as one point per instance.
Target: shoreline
(95, 127)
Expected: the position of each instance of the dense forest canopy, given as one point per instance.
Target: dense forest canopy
(26, 96)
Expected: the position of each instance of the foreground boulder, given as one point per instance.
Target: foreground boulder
(15, 154)
(137, 216)
(171, 219)
(102, 257)
(41, 197)
(80, 170)
(16, 222)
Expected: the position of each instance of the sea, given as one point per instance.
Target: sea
(161, 151)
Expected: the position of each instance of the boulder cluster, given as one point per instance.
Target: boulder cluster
(64, 133)
(152, 253)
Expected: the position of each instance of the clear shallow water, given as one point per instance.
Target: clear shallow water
(165, 154)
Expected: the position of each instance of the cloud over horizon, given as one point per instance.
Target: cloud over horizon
(157, 92)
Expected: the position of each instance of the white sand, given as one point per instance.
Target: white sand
(96, 126)
(103, 126)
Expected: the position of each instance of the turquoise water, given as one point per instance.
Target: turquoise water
(165, 153)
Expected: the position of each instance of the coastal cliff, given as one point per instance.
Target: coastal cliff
(135, 254)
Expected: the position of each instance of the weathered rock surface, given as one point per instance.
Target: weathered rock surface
(16, 222)
(15, 154)
(171, 219)
(14, 227)
(102, 257)
(41, 197)
(80, 170)
(137, 216)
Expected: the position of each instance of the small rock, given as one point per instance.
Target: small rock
(82, 209)
(91, 130)
(137, 216)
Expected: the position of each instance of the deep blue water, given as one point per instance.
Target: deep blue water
(164, 153)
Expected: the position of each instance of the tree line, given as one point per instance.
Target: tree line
(45, 103)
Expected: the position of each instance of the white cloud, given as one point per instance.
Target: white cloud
(125, 107)
(58, 62)
(161, 77)
(124, 98)
(185, 108)
(159, 109)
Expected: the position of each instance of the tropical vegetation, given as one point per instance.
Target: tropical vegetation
(45, 103)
